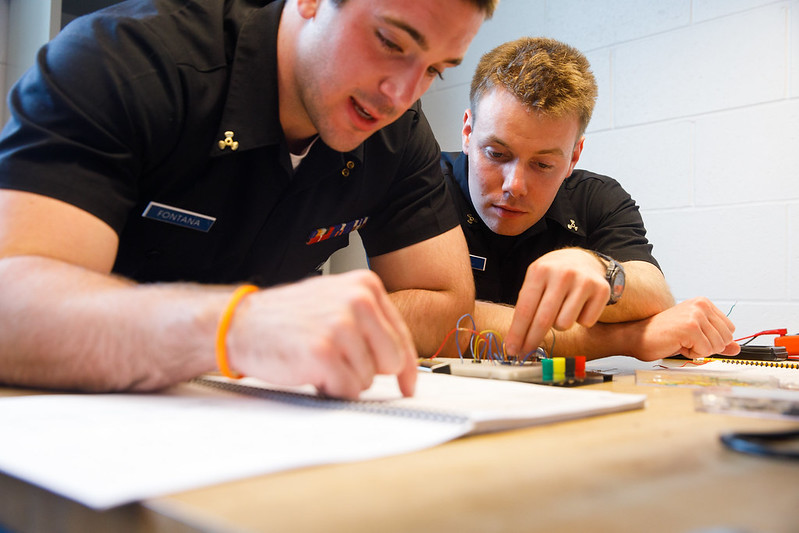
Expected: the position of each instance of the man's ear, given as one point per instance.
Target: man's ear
(466, 131)
(578, 150)
(307, 8)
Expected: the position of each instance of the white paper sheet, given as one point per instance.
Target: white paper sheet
(107, 450)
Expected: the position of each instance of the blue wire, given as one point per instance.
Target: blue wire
(493, 349)
(457, 328)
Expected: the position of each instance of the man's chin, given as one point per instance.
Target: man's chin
(506, 230)
(347, 137)
(345, 143)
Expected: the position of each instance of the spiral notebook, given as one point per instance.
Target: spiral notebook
(105, 450)
(792, 364)
(483, 405)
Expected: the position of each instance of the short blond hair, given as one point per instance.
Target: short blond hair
(546, 75)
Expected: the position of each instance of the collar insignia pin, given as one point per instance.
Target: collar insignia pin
(228, 141)
(572, 225)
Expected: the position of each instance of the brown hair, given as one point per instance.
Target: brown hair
(546, 75)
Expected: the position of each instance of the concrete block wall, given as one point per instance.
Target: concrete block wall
(698, 117)
(25, 25)
(3, 56)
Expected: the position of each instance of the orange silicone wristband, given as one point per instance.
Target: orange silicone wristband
(224, 325)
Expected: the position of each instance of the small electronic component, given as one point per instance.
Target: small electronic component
(485, 357)
(566, 371)
(758, 353)
(570, 370)
(789, 342)
(437, 366)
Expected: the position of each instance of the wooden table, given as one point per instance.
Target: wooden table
(661, 468)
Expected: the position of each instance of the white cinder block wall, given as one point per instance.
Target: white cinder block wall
(698, 117)
(3, 56)
(34, 23)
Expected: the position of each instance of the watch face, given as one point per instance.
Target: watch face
(618, 283)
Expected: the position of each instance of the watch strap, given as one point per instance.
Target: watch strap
(612, 269)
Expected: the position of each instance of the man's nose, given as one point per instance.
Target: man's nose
(405, 87)
(515, 183)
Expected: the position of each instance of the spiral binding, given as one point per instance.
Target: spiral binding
(750, 362)
(322, 402)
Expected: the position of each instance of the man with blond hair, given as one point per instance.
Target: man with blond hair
(560, 256)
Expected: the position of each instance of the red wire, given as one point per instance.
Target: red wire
(453, 330)
(781, 331)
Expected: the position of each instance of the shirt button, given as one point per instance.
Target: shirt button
(345, 172)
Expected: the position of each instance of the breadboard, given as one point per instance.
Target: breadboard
(528, 372)
(486, 369)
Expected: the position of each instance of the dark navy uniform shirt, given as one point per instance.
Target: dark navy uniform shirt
(589, 211)
(131, 114)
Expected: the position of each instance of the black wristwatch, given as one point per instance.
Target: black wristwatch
(614, 273)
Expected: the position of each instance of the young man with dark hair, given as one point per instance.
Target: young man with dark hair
(163, 152)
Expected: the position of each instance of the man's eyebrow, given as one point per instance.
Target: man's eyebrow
(556, 151)
(417, 36)
(493, 139)
(410, 30)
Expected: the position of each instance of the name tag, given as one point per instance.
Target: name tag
(178, 217)
(478, 263)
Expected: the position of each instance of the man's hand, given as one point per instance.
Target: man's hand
(561, 288)
(334, 332)
(693, 328)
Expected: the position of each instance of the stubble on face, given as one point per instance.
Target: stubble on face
(340, 63)
(518, 159)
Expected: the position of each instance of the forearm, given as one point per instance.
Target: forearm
(431, 315)
(432, 286)
(646, 293)
(63, 326)
(694, 328)
(598, 341)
